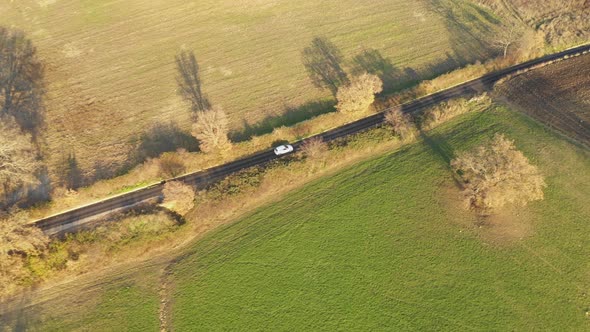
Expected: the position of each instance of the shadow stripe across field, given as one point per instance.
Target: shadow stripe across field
(72, 220)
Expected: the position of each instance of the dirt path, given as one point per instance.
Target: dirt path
(165, 294)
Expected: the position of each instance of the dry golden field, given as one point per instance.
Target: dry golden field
(110, 69)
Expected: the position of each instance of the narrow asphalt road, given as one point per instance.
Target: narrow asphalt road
(74, 219)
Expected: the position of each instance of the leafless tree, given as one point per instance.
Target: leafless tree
(21, 81)
(322, 61)
(189, 81)
(211, 129)
(497, 174)
(401, 123)
(508, 36)
(359, 95)
(315, 149)
(18, 158)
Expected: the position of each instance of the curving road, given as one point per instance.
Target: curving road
(72, 220)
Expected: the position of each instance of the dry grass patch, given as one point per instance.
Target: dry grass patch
(111, 70)
(505, 228)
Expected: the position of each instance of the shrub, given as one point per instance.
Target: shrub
(449, 109)
(314, 148)
(359, 95)
(18, 159)
(211, 129)
(171, 165)
(178, 197)
(17, 243)
(401, 123)
(497, 174)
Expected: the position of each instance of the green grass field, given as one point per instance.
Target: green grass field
(380, 246)
(127, 308)
(120, 304)
(110, 69)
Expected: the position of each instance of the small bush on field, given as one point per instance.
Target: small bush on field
(302, 130)
(236, 183)
(401, 123)
(18, 161)
(18, 243)
(497, 174)
(178, 197)
(171, 165)
(87, 249)
(211, 129)
(315, 149)
(359, 95)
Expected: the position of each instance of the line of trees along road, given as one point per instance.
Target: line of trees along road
(21, 119)
(22, 170)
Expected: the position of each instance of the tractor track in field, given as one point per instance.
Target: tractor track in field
(78, 218)
(557, 96)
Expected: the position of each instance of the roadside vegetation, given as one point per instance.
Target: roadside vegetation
(338, 239)
(42, 159)
(107, 88)
(182, 203)
(400, 125)
(23, 176)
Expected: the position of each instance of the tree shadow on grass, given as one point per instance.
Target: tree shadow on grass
(371, 61)
(323, 62)
(162, 138)
(18, 313)
(469, 27)
(443, 150)
(290, 117)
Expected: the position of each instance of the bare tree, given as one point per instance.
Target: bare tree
(189, 81)
(507, 37)
(322, 61)
(21, 80)
(178, 197)
(314, 148)
(18, 158)
(401, 123)
(359, 95)
(211, 129)
(497, 174)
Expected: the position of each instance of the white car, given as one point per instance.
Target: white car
(283, 149)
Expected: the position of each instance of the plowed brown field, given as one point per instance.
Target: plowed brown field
(557, 95)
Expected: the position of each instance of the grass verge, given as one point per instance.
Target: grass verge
(379, 246)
